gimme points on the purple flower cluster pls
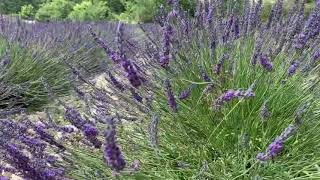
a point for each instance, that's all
(186, 93)
(231, 94)
(265, 63)
(265, 113)
(276, 147)
(18, 142)
(171, 99)
(91, 134)
(166, 39)
(218, 67)
(75, 118)
(293, 68)
(112, 152)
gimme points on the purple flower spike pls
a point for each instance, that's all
(204, 75)
(112, 152)
(265, 63)
(91, 134)
(171, 100)
(165, 57)
(300, 41)
(275, 148)
(131, 73)
(293, 68)
(186, 93)
(265, 113)
(229, 95)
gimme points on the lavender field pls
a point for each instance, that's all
(220, 91)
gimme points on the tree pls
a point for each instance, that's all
(14, 6)
(56, 9)
(89, 10)
(27, 11)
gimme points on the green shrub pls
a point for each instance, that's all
(27, 11)
(116, 6)
(88, 10)
(25, 71)
(56, 9)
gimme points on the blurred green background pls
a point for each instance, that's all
(89, 10)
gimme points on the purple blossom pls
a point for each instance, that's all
(232, 94)
(186, 93)
(131, 73)
(204, 75)
(229, 95)
(171, 100)
(74, 117)
(265, 63)
(210, 15)
(293, 68)
(47, 137)
(218, 67)
(265, 113)
(91, 134)
(112, 152)
(166, 38)
(300, 41)
(21, 161)
(276, 146)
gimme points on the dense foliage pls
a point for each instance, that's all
(212, 94)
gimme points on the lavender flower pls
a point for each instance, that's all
(112, 152)
(165, 56)
(74, 117)
(21, 161)
(186, 93)
(218, 67)
(232, 94)
(204, 75)
(131, 73)
(265, 63)
(276, 146)
(293, 68)
(265, 113)
(171, 100)
(91, 134)
(47, 137)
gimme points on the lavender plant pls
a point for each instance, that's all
(254, 69)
